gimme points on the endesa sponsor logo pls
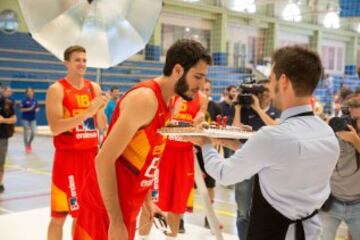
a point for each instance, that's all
(74, 205)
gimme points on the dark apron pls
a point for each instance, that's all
(266, 223)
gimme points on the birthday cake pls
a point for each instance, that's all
(208, 130)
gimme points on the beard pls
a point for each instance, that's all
(182, 87)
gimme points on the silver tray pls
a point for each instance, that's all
(212, 134)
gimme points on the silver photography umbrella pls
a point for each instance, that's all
(110, 30)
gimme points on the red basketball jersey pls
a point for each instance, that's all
(186, 114)
(85, 135)
(137, 164)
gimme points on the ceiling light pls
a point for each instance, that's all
(292, 13)
(247, 6)
(332, 20)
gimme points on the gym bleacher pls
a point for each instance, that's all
(24, 63)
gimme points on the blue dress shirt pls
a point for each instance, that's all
(294, 160)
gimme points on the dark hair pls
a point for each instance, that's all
(187, 53)
(302, 66)
(228, 88)
(345, 92)
(353, 103)
(113, 89)
(71, 49)
(27, 89)
(263, 81)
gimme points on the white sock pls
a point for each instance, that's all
(143, 237)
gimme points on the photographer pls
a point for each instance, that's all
(344, 202)
(259, 113)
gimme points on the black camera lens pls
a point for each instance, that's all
(338, 124)
(245, 99)
(341, 123)
(248, 89)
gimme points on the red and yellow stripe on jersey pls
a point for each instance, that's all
(135, 170)
(187, 113)
(85, 135)
(147, 145)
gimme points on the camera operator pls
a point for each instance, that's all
(344, 202)
(259, 113)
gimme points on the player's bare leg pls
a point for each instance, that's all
(55, 230)
(173, 221)
(145, 224)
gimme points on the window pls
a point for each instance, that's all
(244, 44)
(251, 50)
(290, 39)
(333, 58)
(171, 33)
(339, 59)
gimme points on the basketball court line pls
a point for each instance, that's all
(27, 169)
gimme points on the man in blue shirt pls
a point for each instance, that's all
(293, 161)
(110, 107)
(28, 107)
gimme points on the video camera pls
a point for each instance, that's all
(247, 89)
(340, 123)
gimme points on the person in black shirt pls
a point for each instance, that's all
(227, 105)
(7, 123)
(228, 110)
(259, 114)
(213, 108)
